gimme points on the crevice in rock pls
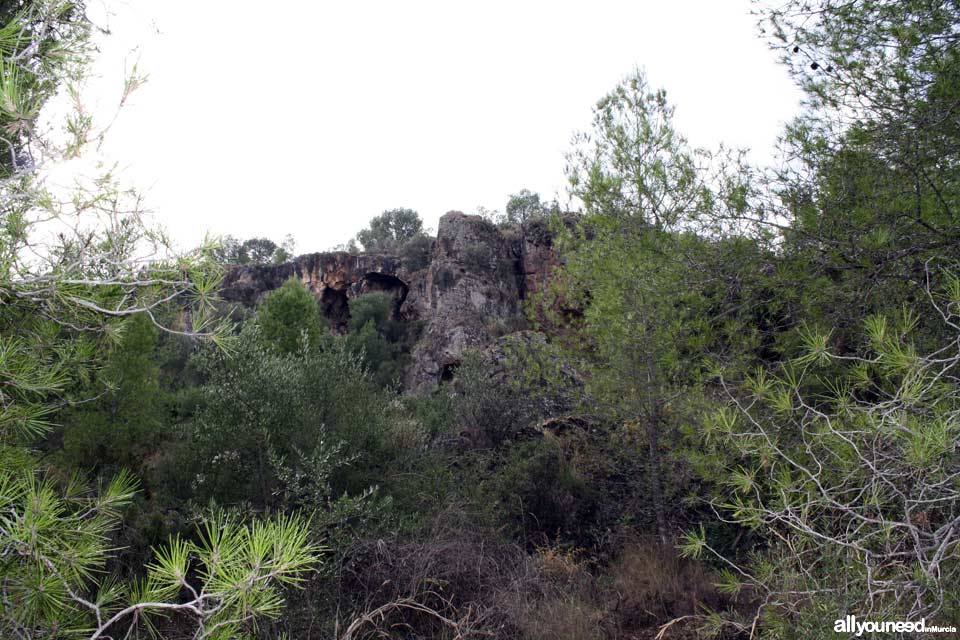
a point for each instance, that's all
(448, 371)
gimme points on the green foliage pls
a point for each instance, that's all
(858, 472)
(748, 356)
(416, 252)
(261, 405)
(634, 164)
(35, 366)
(479, 256)
(242, 570)
(382, 340)
(877, 59)
(540, 495)
(492, 409)
(526, 205)
(61, 543)
(872, 195)
(64, 308)
(375, 307)
(391, 231)
(124, 419)
(41, 44)
(289, 317)
(657, 302)
(91, 296)
(257, 251)
(499, 397)
(254, 251)
(831, 455)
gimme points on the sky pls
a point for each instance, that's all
(309, 118)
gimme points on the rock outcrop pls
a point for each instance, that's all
(538, 256)
(469, 290)
(333, 278)
(469, 294)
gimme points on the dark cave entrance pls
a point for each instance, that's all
(393, 285)
(448, 371)
(333, 303)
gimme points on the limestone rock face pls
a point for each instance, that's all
(470, 292)
(539, 257)
(471, 286)
(530, 349)
(333, 278)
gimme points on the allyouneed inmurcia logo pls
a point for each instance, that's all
(850, 624)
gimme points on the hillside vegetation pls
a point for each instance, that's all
(728, 408)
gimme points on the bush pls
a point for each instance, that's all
(375, 306)
(849, 463)
(562, 615)
(381, 340)
(478, 256)
(489, 410)
(119, 428)
(499, 327)
(452, 568)
(540, 495)
(261, 406)
(654, 585)
(289, 317)
(416, 252)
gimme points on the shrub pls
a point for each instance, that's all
(562, 615)
(478, 256)
(416, 252)
(119, 427)
(375, 306)
(490, 410)
(540, 495)
(451, 567)
(654, 585)
(849, 463)
(381, 340)
(260, 404)
(499, 327)
(289, 316)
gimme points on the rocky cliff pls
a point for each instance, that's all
(470, 292)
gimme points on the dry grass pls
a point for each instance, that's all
(456, 581)
(653, 585)
(563, 616)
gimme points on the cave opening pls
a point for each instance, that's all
(333, 303)
(448, 371)
(393, 285)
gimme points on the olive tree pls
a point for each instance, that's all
(391, 230)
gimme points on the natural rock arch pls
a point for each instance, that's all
(377, 281)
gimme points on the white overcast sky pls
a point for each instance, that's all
(309, 118)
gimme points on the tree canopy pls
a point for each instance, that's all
(391, 230)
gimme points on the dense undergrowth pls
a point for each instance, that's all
(740, 417)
